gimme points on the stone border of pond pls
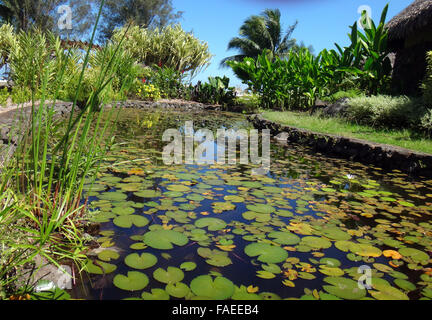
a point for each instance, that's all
(381, 155)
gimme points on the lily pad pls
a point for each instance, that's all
(128, 221)
(143, 261)
(266, 252)
(156, 294)
(286, 238)
(188, 266)
(315, 242)
(415, 254)
(344, 288)
(171, 275)
(177, 290)
(215, 257)
(134, 281)
(213, 224)
(219, 288)
(164, 239)
(261, 208)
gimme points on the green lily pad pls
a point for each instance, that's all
(164, 239)
(188, 266)
(213, 224)
(113, 196)
(148, 194)
(405, 285)
(265, 274)
(156, 294)
(344, 288)
(128, 221)
(286, 238)
(415, 254)
(219, 288)
(134, 281)
(215, 257)
(143, 261)
(99, 267)
(178, 188)
(261, 208)
(171, 275)
(266, 252)
(315, 242)
(387, 292)
(108, 255)
(177, 290)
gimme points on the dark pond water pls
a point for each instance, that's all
(312, 228)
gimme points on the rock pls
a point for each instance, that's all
(336, 109)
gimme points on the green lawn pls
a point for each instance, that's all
(402, 138)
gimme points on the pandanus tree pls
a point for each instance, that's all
(262, 32)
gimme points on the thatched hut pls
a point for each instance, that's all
(410, 37)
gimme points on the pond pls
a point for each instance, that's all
(312, 228)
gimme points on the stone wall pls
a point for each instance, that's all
(385, 156)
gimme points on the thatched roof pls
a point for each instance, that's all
(414, 18)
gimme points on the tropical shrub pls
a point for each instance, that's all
(147, 91)
(294, 82)
(384, 111)
(170, 47)
(215, 91)
(169, 81)
(426, 122)
(427, 84)
(351, 93)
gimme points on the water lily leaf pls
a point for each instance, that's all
(121, 211)
(365, 250)
(286, 238)
(330, 262)
(219, 288)
(234, 198)
(128, 221)
(331, 271)
(134, 281)
(188, 266)
(213, 224)
(215, 257)
(266, 252)
(178, 188)
(344, 288)
(143, 261)
(148, 194)
(108, 255)
(261, 208)
(415, 254)
(265, 274)
(164, 239)
(242, 293)
(156, 294)
(113, 196)
(219, 207)
(315, 242)
(387, 292)
(336, 234)
(405, 285)
(99, 267)
(177, 290)
(171, 275)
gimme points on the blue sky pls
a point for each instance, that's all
(321, 22)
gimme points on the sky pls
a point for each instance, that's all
(321, 23)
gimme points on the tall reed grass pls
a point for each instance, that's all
(42, 183)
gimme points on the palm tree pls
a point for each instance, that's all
(259, 33)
